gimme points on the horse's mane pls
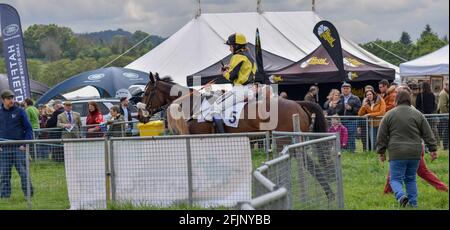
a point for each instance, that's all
(167, 79)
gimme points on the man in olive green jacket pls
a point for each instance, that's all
(400, 133)
(443, 100)
(443, 109)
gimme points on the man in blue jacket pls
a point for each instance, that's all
(14, 125)
(350, 105)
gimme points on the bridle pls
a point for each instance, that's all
(149, 103)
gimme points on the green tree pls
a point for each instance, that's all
(41, 39)
(119, 44)
(427, 43)
(2, 66)
(405, 38)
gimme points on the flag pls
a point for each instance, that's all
(329, 37)
(260, 73)
(14, 52)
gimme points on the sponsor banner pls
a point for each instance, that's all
(14, 52)
(329, 37)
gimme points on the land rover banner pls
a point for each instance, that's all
(329, 37)
(14, 52)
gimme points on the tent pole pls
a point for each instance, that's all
(259, 7)
(199, 10)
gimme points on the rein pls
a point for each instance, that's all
(164, 107)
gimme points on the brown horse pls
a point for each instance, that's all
(159, 96)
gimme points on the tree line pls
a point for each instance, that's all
(405, 48)
(55, 53)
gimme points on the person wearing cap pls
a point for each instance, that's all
(241, 73)
(14, 125)
(70, 122)
(350, 105)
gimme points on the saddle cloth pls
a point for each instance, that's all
(230, 115)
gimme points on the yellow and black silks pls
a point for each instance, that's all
(242, 69)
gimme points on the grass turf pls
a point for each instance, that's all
(364, 178)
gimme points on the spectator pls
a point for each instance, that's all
(373, 106)
(443, 100)
(425, 102)
(401, 132)
(94, 118)
(70, 122)
(311, 96)
(362, 129)
(443, 109)
(385, 92)
(125, 110)
(337, 127)
(423, 171)
(415, 91)
(333, 105)
(32, 113)
(350, 105)
(44, 115)
(52, 123)
(14, 125)
(116, 130)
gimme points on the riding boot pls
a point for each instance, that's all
(220, 127)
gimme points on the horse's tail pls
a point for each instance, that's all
(320, 123)
(179, 125)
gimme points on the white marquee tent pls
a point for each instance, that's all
(432, 64)
(199, 44)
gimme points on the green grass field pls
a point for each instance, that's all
(364, 178)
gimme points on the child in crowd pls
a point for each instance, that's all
(337, 127)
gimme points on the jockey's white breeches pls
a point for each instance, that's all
(236, 95)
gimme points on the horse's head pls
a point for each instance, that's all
(156, 97)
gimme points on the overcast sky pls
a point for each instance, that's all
(358, 20)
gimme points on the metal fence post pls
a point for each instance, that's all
(112, 171)
(189, 168)
(28, 174)
(107, 173)
(367, 133)
(338, 169)
(34, 147)
(267, 146)
(301, 161)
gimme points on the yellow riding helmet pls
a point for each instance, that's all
(236, 39)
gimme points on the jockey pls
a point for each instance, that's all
(240, 72)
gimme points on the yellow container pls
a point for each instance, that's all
(152, 128)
